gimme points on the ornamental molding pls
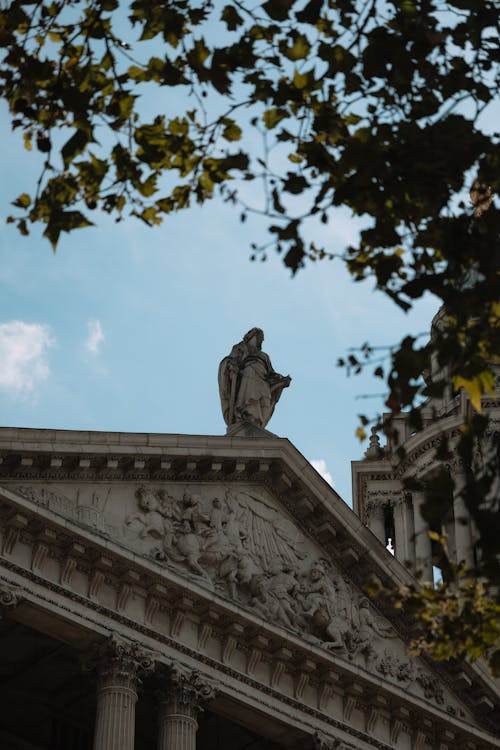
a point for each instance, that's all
(425, 444)
(10, 596)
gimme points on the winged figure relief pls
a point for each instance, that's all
(266, 534)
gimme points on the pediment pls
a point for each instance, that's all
(244, 527)
(238, 541)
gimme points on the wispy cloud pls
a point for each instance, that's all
(320, 465)
(95, 336)
(23, 348)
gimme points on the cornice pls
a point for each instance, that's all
(51, 455)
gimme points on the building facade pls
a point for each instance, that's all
(176, 592)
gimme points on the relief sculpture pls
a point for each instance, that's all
(240, 545)
(55, 501)
(236, 541)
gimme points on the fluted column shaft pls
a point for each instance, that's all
(376, 524)
(115, 717)
(423, 549)
(402, 531)
(463, 537)
(182, 696)
(177, 726)
(118, 664)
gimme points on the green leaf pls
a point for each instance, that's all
(311, 12)
(136, 73)
(178, 126)
(74, 146)
(23, 201)
(64, 221)
(299, 49)
(272, 117)
(476, 387)
(295, 183)
(231, 17)
(300, 80)
(232, 131)
(278, 10)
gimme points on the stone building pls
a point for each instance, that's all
(175, 592)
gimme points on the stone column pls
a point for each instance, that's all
(463, 537)
(375, 519)
(402, 530)
(182, 696)
(423, 550)
(119, 666)
(400, 542)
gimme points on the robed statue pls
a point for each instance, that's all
(249, 387)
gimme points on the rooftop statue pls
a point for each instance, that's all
(249, 387)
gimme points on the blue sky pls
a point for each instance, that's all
(123, 328)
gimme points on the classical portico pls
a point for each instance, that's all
(181, 592)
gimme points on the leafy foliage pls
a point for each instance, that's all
(377, 106)
(457, 620)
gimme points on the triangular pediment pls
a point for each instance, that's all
(246, 519)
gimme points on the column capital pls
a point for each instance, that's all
(10, 596)
(119, 661)
(184, 689)
(320, 741)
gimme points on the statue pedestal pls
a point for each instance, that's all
(248, 429)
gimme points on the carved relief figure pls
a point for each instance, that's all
(365, 627)
(248, 385)
(282, 587)
(320, 606)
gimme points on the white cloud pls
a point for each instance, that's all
(23, 361)
(95, 336)
(320, 465)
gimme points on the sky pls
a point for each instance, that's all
(123, 328)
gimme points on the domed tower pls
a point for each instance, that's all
(381, 481)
